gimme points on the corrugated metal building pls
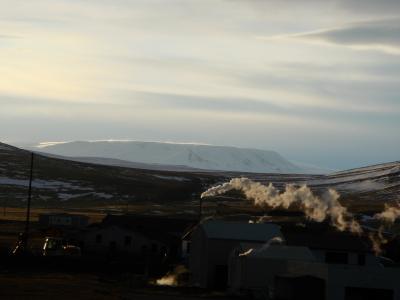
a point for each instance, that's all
(213, 241)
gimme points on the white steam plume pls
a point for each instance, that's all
(172, 278)
(315, 208)
(389, 215)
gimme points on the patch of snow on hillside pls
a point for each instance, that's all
(362, 186)
(42, 184)
(177, 178)
(355, 176)
(66, 196)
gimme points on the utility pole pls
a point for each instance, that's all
(28, 210)
(200, 209)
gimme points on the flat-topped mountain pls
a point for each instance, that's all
(198, 156)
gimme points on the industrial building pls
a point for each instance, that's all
(292, 272)
(211, 243)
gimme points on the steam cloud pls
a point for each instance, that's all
(172, 278)
(389, 215)
(315, 208)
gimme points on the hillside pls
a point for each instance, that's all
(206, 157)
(78, 183)
(61, 182)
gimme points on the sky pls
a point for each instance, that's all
(316, 81)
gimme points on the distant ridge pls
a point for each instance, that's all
(184, 156)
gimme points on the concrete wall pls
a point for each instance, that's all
(198, 265)
(338, 277)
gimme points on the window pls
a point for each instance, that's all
(99, 238)
(336, 258)
(128, 241)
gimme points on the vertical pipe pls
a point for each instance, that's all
(28, 210)
(200, 209)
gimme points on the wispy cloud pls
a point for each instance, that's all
(142, 69)
(381, 35)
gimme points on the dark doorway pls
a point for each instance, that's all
(221, 277)
(299, 288)
(112, 248)
(356, 293)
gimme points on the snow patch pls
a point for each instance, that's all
(362, 186)
(42, 184)
(177, 178)
(66, 196)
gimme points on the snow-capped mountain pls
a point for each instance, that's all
(199, 156)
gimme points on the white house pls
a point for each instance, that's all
(212, 242)
(112, 239)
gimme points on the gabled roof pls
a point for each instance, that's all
(284, 252)
(240, 231)
(156, 224)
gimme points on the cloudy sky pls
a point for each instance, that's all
(317, 81)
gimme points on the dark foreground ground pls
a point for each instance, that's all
(37, 285)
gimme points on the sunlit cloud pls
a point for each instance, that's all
(145, 70)
(379, 35)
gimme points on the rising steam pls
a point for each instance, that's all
(172, 278)
(389, 215)
(315, 208)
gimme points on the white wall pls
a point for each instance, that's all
(117, 235)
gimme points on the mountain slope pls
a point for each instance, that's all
(59, 181)
(85, 184)
(190, 155)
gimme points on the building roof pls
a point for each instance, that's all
(323, 236)
(284, 252)
(240, 231)
(150, 225)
